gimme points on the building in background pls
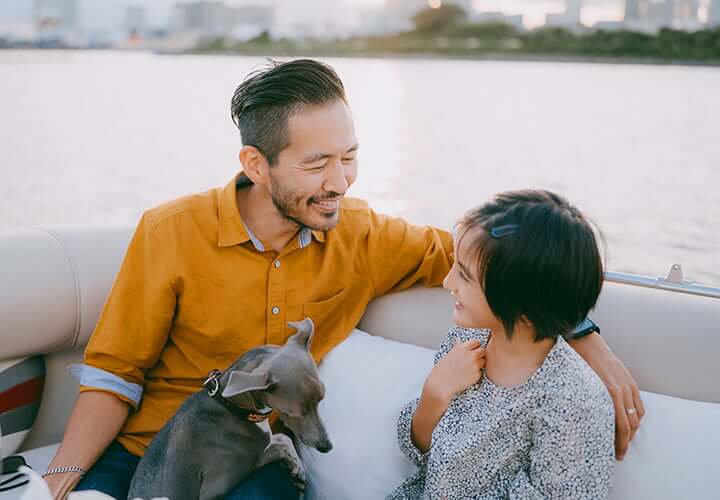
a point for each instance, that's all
(652, 15)
(570, 18)
(61, 13)
(659, 14)
(56, 22)
(201, 18)
(633, 11)
(685, 15)
(17, 27)
(215, 19)
(136, 23)
(249, 21)
(713, 19)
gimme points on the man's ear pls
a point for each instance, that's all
(241, 382)
(254, 164)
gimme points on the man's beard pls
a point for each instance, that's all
(290, 207)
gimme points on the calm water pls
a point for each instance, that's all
(95, 138)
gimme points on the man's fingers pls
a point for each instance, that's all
(622, 437)
(638, 402)
(622, 425)
(633, 418)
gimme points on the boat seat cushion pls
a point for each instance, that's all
(38, 459)
(21, 388)
(369, 379)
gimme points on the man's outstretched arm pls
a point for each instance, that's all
(401, 254)
(95, 421)
(620, 384)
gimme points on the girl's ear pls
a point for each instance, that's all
(525, 322)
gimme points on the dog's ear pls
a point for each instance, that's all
(305, 330)
(241, 382)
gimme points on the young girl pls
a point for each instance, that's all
(510, 410)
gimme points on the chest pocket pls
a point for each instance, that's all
(331, 317)
(216, 318)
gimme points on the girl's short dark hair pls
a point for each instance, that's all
(536, 256)
(265, 100)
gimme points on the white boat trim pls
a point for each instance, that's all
(673, 282)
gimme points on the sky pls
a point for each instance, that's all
(100, 14)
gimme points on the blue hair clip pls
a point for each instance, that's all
(500, 231)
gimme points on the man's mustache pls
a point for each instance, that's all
(329, 197)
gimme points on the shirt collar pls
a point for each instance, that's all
(233, 231)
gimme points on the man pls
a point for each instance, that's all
(209, 276)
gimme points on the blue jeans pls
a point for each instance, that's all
(113, 471)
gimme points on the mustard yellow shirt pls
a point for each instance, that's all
(196, 290)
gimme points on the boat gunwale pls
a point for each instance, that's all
(688, 287)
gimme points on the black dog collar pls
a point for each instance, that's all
(212, 386)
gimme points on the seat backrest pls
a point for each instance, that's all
(669, 341)
(55, 282)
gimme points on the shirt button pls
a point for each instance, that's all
(275, 310)
(277, 263)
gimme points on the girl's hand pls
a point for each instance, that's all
(461, 368)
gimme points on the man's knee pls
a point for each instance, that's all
(271, 482)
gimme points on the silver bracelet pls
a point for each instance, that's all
(62, 470)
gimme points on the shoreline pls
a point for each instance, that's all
(490, 56)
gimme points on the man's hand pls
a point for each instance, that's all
(94, 422)
(623, 389)
(60, 485)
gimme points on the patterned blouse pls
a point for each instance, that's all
(550, 437)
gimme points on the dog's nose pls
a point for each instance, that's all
(324, 447)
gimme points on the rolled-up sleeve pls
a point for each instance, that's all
(134, 324)
(95, 379)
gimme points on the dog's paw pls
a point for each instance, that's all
(290, 458)
(299, 476)
(298, 472)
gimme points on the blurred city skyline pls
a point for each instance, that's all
(105, 14)
(110, 22)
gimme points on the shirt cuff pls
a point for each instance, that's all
(89, 376)
(405, 435)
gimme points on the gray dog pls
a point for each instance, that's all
(220, 434)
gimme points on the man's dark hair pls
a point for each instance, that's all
(265, 100)
(536, 256)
